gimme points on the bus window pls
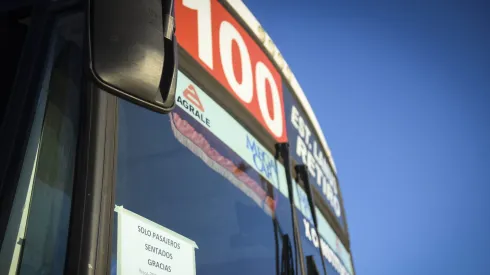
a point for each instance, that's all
(178, 172)
(36, 235)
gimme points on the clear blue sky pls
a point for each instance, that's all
(402, 92)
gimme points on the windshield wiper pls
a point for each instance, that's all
(282, 151)
(302, 172)
(285, 266)
(311, 266)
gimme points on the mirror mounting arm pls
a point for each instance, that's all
(168, 80)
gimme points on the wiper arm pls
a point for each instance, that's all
(302, 172)
(311, 266)
(282, 152)
(287, 267)
(168, 79)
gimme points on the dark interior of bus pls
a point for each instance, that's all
(13, 31)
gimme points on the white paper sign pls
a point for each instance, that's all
(147, 248)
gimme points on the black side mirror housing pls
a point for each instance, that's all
(133, 50)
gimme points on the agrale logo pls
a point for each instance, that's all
(191, 102)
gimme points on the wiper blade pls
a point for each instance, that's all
(287, 267)
(282, 152)
(311, 266)
(302, 171)
(286, 264)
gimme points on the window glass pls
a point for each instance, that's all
(197, 172)
(308, 235)
(336, 253)
(311, 241)
(36, 237)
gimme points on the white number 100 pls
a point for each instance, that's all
(244, 90)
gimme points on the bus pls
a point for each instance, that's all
(159, 137)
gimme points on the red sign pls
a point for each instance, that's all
(208, 32)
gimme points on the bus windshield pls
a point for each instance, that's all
(179, 172)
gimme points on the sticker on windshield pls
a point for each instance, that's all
(145, 247)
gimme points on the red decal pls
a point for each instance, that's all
(191, 94)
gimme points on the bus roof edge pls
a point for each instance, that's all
(256, 29)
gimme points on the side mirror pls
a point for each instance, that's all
(133, 50)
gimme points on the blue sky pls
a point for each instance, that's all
(402, 92)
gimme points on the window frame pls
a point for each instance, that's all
(90, 234)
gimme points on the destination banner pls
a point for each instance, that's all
(306, 149)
